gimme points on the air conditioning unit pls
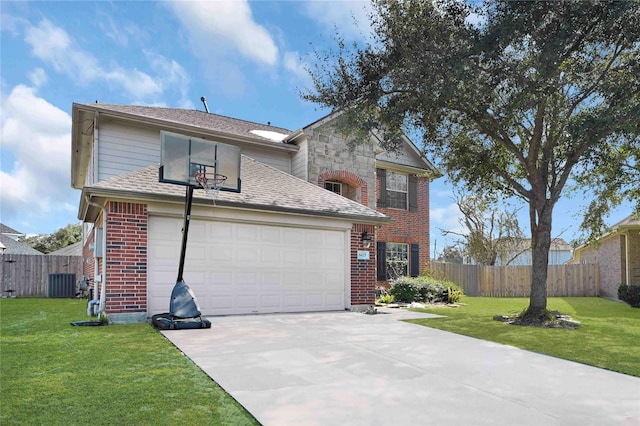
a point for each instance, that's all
(61, 285)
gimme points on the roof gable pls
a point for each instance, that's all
(4, 229)
(409, 156)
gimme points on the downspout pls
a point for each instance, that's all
(626, 258)
(103, 284)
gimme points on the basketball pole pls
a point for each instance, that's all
(185, 231)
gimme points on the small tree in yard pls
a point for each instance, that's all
(515, 98)
(490, 235)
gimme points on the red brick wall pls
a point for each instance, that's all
(126, 257)
(88, 266)
(409, 227)
(363, 272)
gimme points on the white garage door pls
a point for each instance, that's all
(239, 268)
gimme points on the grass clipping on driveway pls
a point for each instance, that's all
(54, 373)
(607, 338)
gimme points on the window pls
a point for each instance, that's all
(393, 260)
(397, 260)
(397, 191)
(333, 187)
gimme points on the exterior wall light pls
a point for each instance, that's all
(366, 239)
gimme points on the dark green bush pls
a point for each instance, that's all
(622, 291)
(404, 289)
(424, 289)
(630, 294)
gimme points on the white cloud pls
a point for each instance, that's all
(298, 68)
(349, 18)
(36, 157)
(446, 218)
(55, 47)
(171, 74)
(220, 24)
(38, 77)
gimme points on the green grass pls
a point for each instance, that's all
(54, 373)
(608, 336)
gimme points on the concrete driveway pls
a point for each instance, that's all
(346, 368)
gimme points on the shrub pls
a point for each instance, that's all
(453, 295)
(630, 294)
(404, 289)
(425, 289)
(622, 291)
(385, 299)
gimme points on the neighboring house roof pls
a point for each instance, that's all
(630, 222)
(16, 247)
(74, 249)
(5, 230)
(557, 244)
(263, 188)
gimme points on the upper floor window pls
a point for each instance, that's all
(333, 187)
(397, 190)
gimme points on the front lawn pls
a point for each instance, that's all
(54, 373)
(607, 338)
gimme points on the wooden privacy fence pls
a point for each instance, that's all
(27, 274)
(515, 281)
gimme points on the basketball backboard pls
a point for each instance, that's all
(181, 157)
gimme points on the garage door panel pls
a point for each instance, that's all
(240, 268)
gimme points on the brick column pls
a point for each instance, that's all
(126, 258)
(363, 272)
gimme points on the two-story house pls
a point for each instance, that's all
(316, 226)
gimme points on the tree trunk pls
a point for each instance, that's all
(540, 246)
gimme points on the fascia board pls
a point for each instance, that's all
(146, 197)
(381, 164)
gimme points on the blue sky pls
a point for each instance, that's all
(247, 58)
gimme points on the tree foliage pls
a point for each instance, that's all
(451, 254)
(514, 98)
(491, 236)
(47, 243)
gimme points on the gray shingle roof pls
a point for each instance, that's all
(74, 249)
(16, 247)
(263, 187)
(4, 229)
(200, 119)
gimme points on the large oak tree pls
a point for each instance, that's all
(515, 98)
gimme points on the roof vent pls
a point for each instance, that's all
(204, 102)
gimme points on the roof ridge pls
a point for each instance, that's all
(98, 105)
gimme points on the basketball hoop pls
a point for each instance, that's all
(211, 183)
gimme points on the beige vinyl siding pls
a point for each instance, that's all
(278, 160)
(299, 162)
(122, 149)
(405, 157)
